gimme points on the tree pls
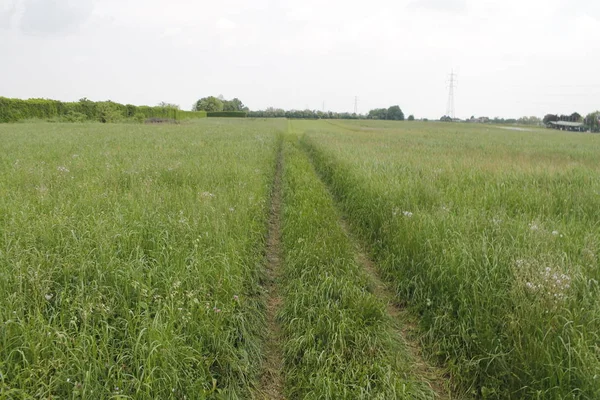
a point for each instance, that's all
(529, 120)
(395, 113)
(109, 112)
(549, 118)
(592, 121)
(210, 103)
(378, 113)
(575, 117)
(411, 117)
(234, 105)
(164, 104)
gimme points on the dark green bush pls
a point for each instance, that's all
(229, 114)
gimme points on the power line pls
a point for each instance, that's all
(450, 105)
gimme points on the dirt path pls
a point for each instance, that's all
(403, 324)
(271, 379)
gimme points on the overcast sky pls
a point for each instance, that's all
(512, 57)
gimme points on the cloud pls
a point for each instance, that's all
(452, 6)
(224, 24)
(50, 17)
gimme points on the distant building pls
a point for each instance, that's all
(567, 126)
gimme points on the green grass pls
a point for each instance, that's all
(131, 259)
(492, 238)
(338, 343)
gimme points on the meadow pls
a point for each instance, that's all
(489, 236)
(130, 259)
(138, 261)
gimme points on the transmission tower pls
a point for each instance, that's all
(356, 105)
(451, 85)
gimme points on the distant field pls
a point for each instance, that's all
(144, 262)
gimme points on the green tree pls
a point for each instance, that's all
(411, 117)
(395, 113)
(234, 105)
(164, 104)
(210, 103)
(378, 113)
(592, 121)
(576, 117)
(549, 118)
(109, 112)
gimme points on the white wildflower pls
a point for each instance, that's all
(63, 169)
(407, 214)
(48, 296)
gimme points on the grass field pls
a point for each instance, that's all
(491, 237)
(140, 261)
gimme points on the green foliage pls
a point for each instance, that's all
(592, 121)
(378, 113)
(234, 105)
(395, 113)
(139, 117)
(391, 113)
(301, 114)
(411, 117)
(229, 114)
(110, 112)
(74, 116)
(209, 104)
(13, 110)
(532, 120)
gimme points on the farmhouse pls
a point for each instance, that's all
(567, 126)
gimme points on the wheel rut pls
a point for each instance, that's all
(404, 326)
(271, 377)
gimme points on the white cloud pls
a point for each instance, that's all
(289, 54)
(47, 17)
(454, 6)
(225, 24)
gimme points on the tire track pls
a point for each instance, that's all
(271, 377)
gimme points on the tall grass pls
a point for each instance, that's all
(337, 335)
(131, 257)
(490, 236)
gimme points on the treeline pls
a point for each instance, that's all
(219, 104)
(302, 114)
(391, 113)
(532, 120)
(13, 110)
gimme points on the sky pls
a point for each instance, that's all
(512, 58)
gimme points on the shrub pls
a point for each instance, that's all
(13, 110)
(228, 114)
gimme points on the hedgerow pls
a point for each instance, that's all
(13, 110)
